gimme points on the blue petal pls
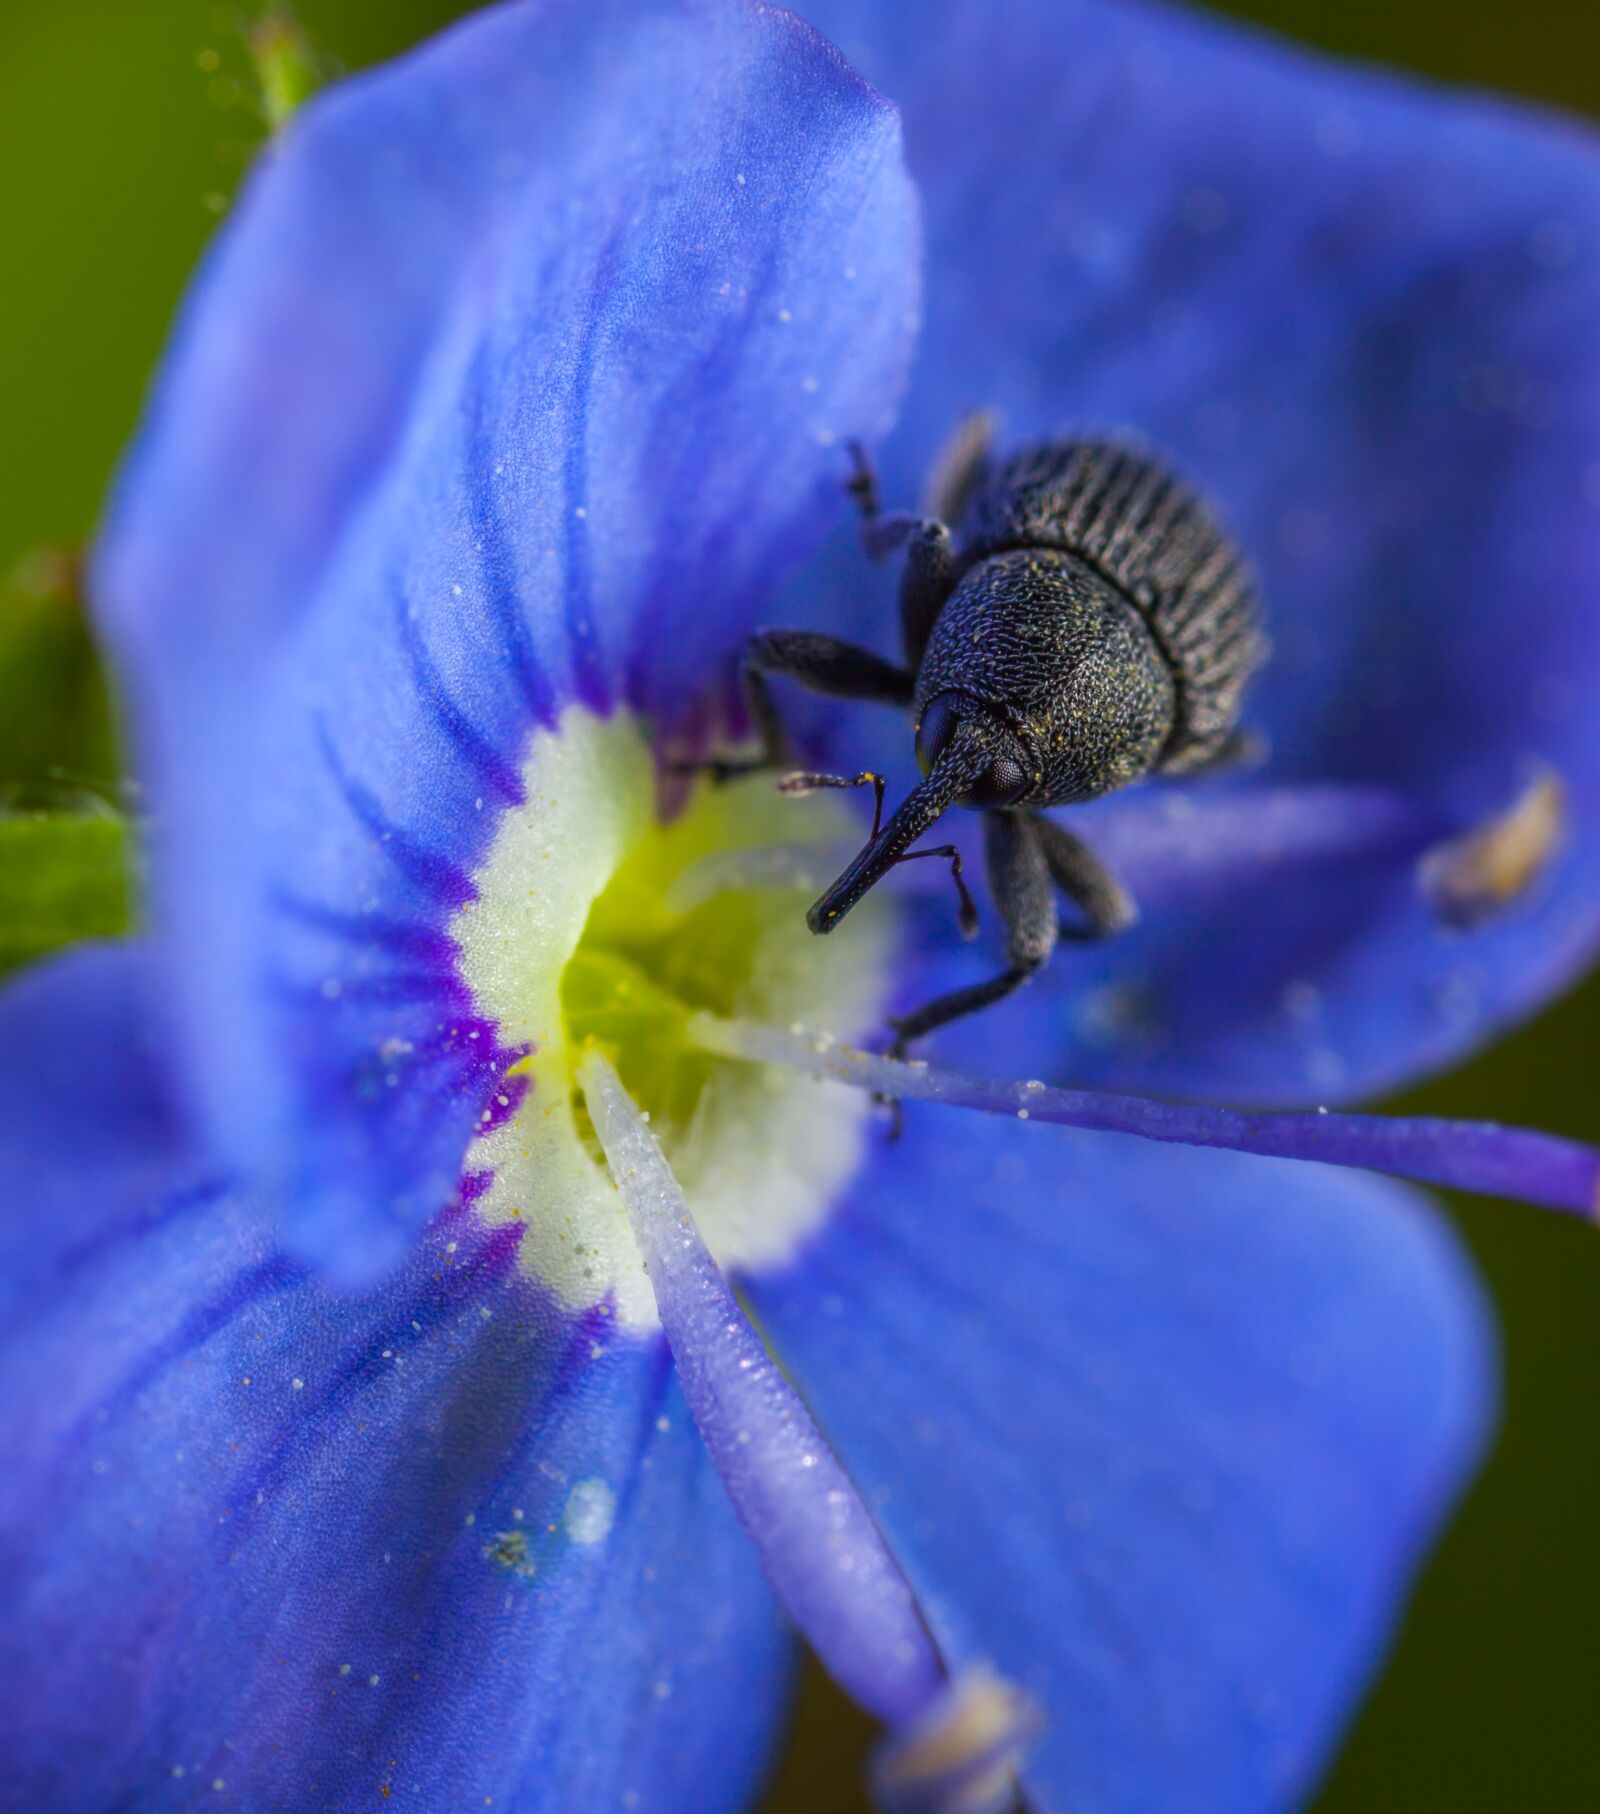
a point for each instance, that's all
(1366, 318)
(520, 372)
(1159, 1435)
(442, 1540)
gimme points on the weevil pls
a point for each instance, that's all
(1073, 618)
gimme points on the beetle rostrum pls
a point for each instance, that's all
(1072, 619)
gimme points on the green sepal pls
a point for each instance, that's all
(56, 733)
(63, 877)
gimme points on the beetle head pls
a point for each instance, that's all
(1005, 774)
(1036, 649)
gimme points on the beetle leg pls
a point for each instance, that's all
(770, 733)
(862, 484)
(803, 781)
(822, 664)
(1020, 880)
(880, 534)
(930, 570)
(1106, 905)
(967, 913)
(927, 581)
(908, 1028)
(962, 466)
(1239, 749)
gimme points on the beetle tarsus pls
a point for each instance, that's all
(909, 1028)
(862, 484)
(1020, 881)
(720, 770)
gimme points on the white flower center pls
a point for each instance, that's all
(596, 922)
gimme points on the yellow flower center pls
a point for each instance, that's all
(598, 922)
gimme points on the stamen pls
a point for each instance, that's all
(1472, 877)
(1480, 1156)
(821, 1551)
(963, 1755)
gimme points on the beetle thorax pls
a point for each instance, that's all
(1056, 652)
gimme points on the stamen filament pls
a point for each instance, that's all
(821, 1550)
(953, 1744)
(1480, 1156)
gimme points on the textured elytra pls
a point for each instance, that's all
(1151, 537)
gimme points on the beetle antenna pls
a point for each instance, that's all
(958, 768)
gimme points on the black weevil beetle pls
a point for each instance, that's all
(1091, 624)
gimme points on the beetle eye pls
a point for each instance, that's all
(1003, 783)
(936, 729)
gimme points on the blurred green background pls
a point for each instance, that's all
(124, 127)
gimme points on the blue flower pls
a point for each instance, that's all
(351, 1451)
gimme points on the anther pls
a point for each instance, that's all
(1471, 878)
(962, 1754)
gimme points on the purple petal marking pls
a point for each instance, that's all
(818, 1543)
(1481, 1156)
(435, 874)
(518, 376)
(498, 773)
